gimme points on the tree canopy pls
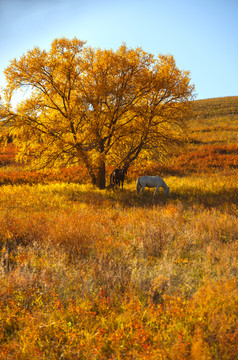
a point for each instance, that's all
(94, 106)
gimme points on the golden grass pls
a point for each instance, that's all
(89, 274)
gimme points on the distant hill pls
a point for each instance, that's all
(216, 106)
(215, 121)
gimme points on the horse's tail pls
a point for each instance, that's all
(138, 185)
(112, 178)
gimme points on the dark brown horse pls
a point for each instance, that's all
(117, 177)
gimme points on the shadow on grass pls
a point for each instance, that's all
(220, 198)
(110, 198)
(129, 198)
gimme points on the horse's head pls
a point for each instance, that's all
(167, 191)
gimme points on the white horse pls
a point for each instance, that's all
(151, 182)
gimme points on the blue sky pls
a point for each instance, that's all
(202, 35)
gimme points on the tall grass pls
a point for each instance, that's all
(97, 275)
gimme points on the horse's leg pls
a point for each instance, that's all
(156, 190)
(143, 189)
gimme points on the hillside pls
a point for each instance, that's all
(89, 274)
(213, 132)
(215, 121)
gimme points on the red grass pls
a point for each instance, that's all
(204, 159)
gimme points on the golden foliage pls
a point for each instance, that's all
(95, 106)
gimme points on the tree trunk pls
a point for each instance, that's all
(101, 176)
(92, 175)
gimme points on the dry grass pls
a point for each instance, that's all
(72, 255)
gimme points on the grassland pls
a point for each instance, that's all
(90, 274)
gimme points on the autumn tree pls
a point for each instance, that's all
(95, 106)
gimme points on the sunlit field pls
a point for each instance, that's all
(103, 274)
